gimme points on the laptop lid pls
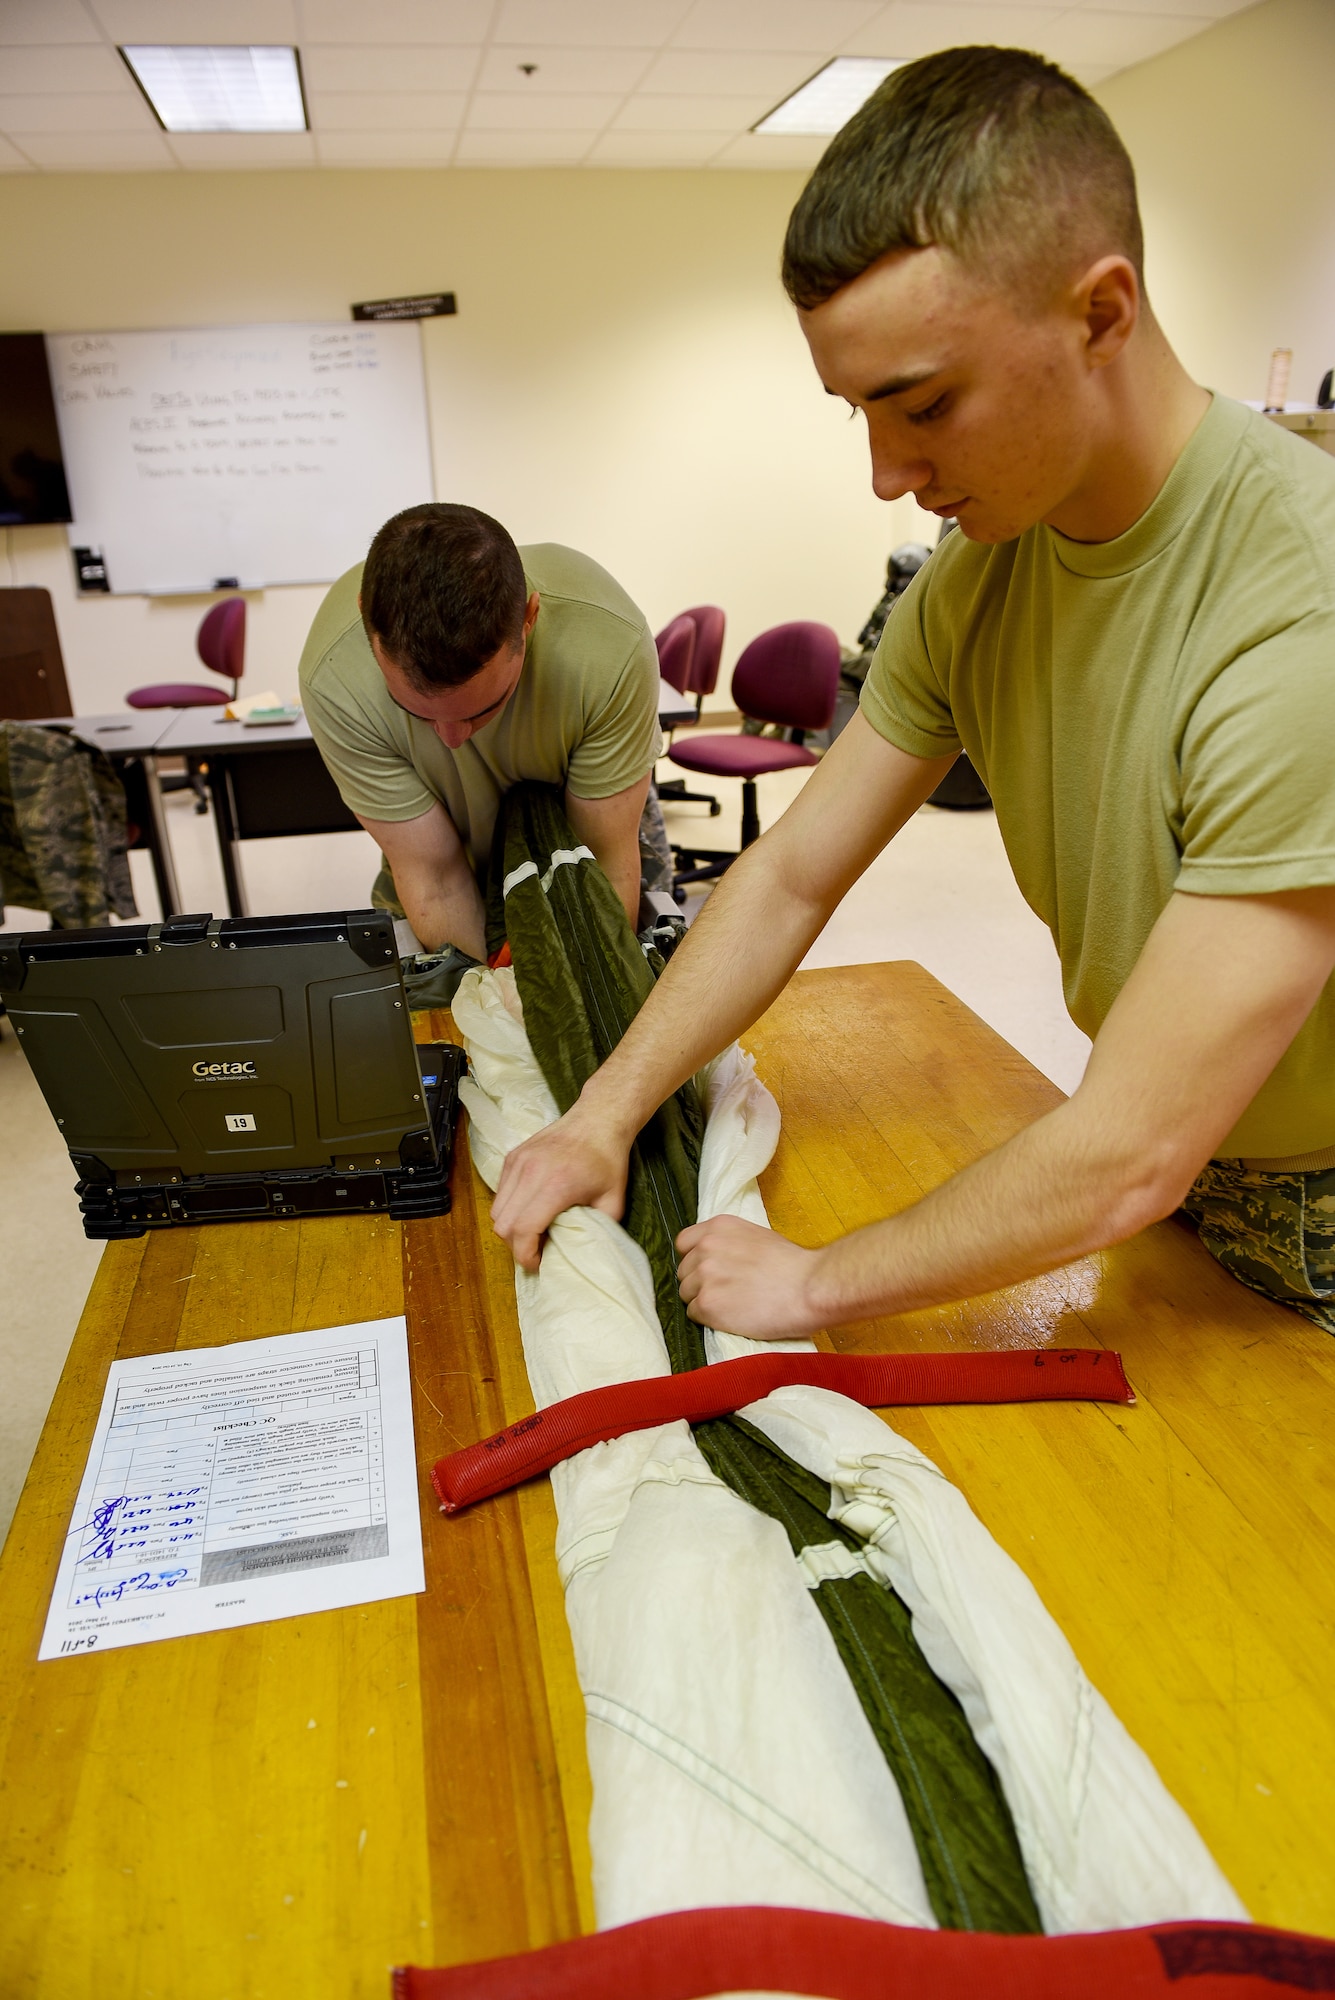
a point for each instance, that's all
(222, 1046)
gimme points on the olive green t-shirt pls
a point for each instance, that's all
(1152, 713)
(584, 713)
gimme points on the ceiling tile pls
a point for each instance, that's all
(87, 152)
(916, 28)
(1083, 36)
(384, 149)
(376, 111)
(400, 67)
(657, 149)
(779, 153)
(589, 24)
(237, 150)
(728, 115)
(726, 73)
(818, 27)
(498, 112)
(522, 149)
(41, 21)
(565, 70)
(74, 67)
(122, 111)
(219, 21)
(12, 161)
(441, 21)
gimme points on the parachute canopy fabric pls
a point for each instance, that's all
(731, 1759)
(582, 978)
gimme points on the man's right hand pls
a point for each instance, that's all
(575, 1163)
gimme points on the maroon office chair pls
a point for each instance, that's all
(677, 644)
(701, 677)
(710, 625)
(221, 645)
(676, 649)
(788, 676)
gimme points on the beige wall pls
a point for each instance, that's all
(624, 375)
(1234, 146)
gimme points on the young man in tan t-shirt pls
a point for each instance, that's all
(966, 262)
(450, 666)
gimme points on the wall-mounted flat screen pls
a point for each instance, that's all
(32, 470)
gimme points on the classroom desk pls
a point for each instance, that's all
(292, 1808)
(266, 782)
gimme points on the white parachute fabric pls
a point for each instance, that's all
(731, 1759)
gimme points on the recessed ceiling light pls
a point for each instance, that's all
(229, 89)
(827, 100)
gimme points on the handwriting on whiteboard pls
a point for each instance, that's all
(236, 433)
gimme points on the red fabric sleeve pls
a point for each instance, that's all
(880, 1381)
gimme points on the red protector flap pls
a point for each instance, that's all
(880, 1381)
(693, 1953)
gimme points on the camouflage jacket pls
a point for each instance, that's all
(901, 569)
(63, 835)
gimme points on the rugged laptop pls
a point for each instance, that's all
(211, 1070)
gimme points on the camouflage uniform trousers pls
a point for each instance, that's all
(656, 867)
(1273, 1230)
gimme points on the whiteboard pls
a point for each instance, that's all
(255, 454)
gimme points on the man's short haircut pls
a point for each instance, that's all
(443, 590)
(994, 154)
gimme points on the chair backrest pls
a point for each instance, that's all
(789, 675)
(221, 641)
(676, 649)
(32, 672)
(710, 625)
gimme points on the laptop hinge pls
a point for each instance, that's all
(181, 930)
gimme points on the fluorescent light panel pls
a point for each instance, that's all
(827, 101)
(228, 89)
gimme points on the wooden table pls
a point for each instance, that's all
(290, 1809)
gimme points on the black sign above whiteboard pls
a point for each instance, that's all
(426, 305)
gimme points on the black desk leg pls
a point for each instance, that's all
(159, 846)
(229, 844)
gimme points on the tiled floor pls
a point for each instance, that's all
(943, 894)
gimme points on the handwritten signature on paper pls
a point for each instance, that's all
(127, 1521)
(112, 1593)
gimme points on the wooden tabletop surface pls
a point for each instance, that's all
(290, 1809)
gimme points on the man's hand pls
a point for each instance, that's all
(579, 1162)
(740, 1278)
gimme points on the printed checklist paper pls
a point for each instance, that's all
(227, 1485)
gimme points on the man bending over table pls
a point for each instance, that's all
(449, 666)
(1132, 637)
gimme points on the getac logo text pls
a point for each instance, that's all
(216, 1072)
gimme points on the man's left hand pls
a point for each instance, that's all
(740, 1278)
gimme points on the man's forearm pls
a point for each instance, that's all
(738, 955)
(623, 872)
(1051, 1194)
(447, 910)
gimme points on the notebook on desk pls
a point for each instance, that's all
(218, 1070)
